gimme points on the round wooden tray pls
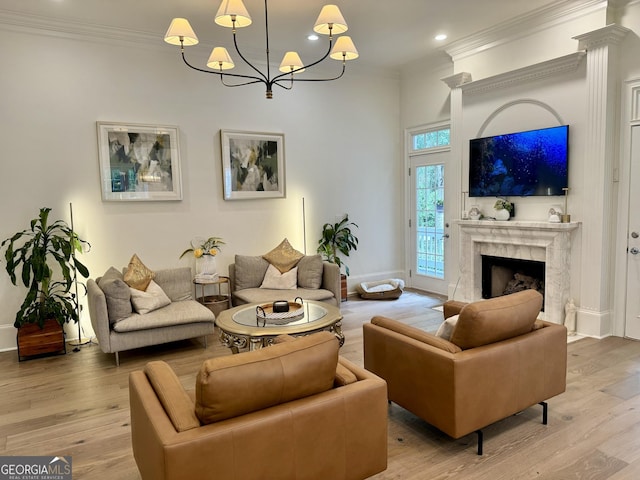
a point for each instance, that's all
(266, 314)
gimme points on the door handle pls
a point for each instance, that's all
(634, 251)
(446, 235)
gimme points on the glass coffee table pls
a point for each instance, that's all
(240, 326)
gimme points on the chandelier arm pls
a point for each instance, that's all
(213, 72)
(258, 80)
(263, 78)
(278, 77)
(275, 82)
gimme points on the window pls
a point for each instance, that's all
(431, 139)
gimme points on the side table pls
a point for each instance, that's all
(216, 303)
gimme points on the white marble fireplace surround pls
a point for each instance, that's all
(540, 241)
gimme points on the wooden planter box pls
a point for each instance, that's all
(34, 341)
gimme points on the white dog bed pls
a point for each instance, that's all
(381, 290)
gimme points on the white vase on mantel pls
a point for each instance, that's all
(502, 214)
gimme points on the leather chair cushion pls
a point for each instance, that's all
(234, 385)
(173, 397)
(344, 376)
(416, 334)
(496, 319)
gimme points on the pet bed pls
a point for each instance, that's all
(381, 289)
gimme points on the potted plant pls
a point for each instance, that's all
(32, 255)
(503, 209)
(338, 238)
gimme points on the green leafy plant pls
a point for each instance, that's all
(32, 255)
(337, 238)
(501, 203)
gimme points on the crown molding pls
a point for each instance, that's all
(56, 27)
(524, 25)
(556, 66)
(609, 35)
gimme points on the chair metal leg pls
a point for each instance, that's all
(545, 409)
(205, 342)
(480, 438)
(117, 359)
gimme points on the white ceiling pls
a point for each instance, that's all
(387, 33)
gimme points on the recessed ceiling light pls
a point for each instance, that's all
(440, 37)
(313, 37)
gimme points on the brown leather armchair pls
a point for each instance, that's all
(290, 411)
(499, 361)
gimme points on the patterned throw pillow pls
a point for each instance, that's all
(138, 276)
(284, 257)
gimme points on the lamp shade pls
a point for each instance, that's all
(220, 59)
(330, 15)
(180, 28)
(344, 49)
(290, 62)
(230, 9)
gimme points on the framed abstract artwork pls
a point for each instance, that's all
(139, 162)
(252, 165)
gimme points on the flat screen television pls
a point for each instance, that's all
(531, 163)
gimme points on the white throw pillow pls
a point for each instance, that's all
(151, 299)
(280, 281)
(446, 328)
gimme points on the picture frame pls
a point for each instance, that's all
(139, 162)
(253, 165)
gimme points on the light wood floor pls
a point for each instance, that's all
(77, 405)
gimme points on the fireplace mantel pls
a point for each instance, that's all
(520, 225)
(525, 240)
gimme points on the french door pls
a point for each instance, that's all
(632, 319)
(428, 227)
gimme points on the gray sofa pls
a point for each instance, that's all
(317, 280)
(118, 327)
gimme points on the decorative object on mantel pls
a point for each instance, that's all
(502, 209)
(570, 317)
(205, 251)
(555, 214)
(566, 218)
(233, 14)
(475, 213)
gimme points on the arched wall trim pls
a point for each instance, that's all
(506, 106)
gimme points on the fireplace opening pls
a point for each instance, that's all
(502, 276)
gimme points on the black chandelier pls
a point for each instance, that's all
(233, 14)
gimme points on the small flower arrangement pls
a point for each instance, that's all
(200, 247)
(503, 204)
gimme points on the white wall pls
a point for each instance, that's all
(342, 144)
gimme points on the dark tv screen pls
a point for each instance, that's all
(531, 163)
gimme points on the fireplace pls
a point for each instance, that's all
(502, 276)
(548, 244)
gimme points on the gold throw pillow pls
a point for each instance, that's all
(138, 276)
(284, 257)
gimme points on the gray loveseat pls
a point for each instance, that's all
(317, 280)
(118, 327)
